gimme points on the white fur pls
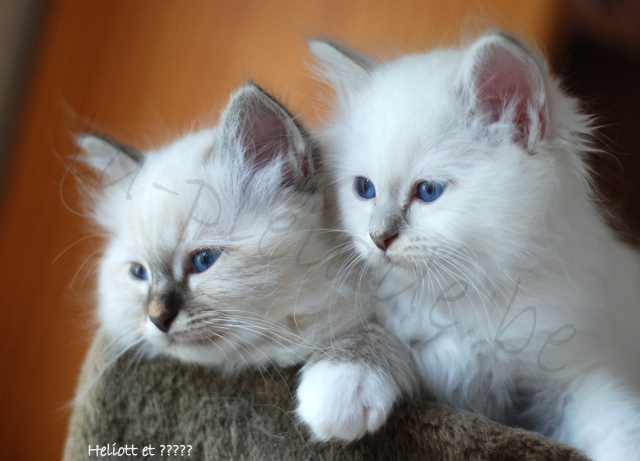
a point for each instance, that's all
(363, 405)
(276, 294)
(517, 300)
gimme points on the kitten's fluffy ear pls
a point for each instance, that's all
(345, 68)
(268, 133)
(505, 84)
(113, 161)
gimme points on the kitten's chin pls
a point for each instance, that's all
(168, 342)
(186, 349)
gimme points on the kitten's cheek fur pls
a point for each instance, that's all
(344, 400)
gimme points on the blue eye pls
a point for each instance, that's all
(429, 191)
(139, 272)
(365, 188)
(204, 259)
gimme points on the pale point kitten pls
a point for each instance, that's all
(461, 178)
(218, 252)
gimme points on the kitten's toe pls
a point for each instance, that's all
(344, 401)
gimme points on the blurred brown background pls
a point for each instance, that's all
(146, 70)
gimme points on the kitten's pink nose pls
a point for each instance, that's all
(384, 239)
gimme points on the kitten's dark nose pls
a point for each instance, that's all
(163, 321)
(384, 239)
(161, 316)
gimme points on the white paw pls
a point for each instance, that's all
(617, 445)
(343, 400)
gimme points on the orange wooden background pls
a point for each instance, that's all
(146, 70)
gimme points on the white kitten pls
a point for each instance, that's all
(218, 253)
(462, 179)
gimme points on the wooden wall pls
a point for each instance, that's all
(146, 70)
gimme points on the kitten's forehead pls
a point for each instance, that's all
(415, 91)
(173, 165)
(181, 195)
(403, 118)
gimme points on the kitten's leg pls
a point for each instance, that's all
(350, 388)
(601, 417)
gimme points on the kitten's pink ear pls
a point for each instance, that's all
(270, 136)
(505, 85)
(343, 67)
(110, 159)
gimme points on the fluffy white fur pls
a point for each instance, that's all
(277, 294)
(517, 300)
(362, 406)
